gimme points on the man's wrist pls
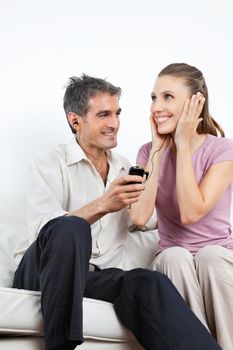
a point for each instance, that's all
(101, 207)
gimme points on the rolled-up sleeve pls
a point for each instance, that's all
(45, 193)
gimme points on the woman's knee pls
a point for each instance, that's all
(210, 255)
(172, 257)
(214, 266)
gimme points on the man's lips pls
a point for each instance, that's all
(108, 133)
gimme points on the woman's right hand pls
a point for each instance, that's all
(159, 142)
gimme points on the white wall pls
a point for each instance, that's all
(43, 43)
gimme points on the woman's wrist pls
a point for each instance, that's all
(182, 146)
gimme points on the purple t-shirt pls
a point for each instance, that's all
(215, 227)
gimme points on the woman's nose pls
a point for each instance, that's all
(157, 106)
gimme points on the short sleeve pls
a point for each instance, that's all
(221, 152)
(143, 154)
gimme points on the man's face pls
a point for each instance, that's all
(98, 129)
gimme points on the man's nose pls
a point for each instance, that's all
(113, 122)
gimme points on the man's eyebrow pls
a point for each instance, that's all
(107, 111)
(104, 111)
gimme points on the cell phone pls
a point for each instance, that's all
(138, 170)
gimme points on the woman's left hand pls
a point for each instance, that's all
(189, 119)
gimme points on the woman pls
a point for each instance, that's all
(190, 184)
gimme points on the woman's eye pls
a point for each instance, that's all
(168, 96)
(153, 97)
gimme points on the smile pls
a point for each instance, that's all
(162, 119)
(108, 133)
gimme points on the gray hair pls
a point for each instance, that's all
(80, 90)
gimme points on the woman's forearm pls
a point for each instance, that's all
(189, 197)
(141, 211)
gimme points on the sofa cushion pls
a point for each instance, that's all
(20, 314)
(37, 343)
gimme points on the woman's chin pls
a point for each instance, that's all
(164, 130)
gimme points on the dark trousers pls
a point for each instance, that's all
(146, 302)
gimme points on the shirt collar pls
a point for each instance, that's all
(75, 154)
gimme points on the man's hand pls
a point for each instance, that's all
(122, 194)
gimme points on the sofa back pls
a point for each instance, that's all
(13, 235)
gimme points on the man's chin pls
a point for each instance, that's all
(111, 145)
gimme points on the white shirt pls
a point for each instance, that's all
(64, 180)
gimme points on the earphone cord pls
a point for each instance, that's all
(152, 164)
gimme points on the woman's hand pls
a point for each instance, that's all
(189, 120)
(159, 142)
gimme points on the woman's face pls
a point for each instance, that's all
(168, 97)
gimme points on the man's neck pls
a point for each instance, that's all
(94, 154)
(98, 158)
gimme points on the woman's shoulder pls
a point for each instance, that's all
(217, 144)
(212, 140)
(217, 149)
(143, 153)
(146, 147)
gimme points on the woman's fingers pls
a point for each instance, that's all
(200, 106)
(195, 106)
(185, 109)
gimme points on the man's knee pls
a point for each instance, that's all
(144, 281)
(66, 230)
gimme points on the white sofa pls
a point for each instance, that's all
(21, 325)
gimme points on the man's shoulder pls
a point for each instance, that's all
(120, 159)
(55, 154)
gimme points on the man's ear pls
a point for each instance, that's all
(73, 119)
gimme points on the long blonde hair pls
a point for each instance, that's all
(195, 81)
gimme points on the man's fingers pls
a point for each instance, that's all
(127, 179)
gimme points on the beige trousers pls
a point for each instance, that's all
(205, 281)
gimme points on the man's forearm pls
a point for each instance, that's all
(91, 212)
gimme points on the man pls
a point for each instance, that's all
(78, 218)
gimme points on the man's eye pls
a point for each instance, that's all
(153, 97)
